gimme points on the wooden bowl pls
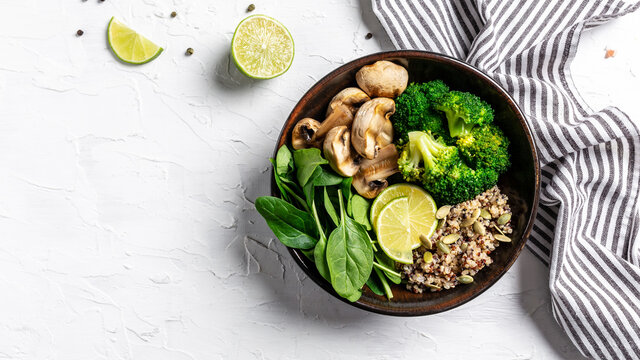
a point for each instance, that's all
(521, 183)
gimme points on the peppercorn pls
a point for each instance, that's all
(251, 8)
(174, 14)
(189, 52)
(79, 33)
(368, 36)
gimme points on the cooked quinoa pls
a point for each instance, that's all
(469, 254)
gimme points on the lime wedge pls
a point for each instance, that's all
(394, 232)
(422, 209)
(262, 47)
(129, 46)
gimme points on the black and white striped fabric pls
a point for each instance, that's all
(588, 225)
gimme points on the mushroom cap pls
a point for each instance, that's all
(337, 150)
(382, 78)
(372, 129)
(303, 135)
(371, 179)
(352, 97)
(341, 115)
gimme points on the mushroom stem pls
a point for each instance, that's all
(372, 129)
(337, 150)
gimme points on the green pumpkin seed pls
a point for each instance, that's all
(427, 257)
(485, 214)
(426, 242)
(471, 219)
(504, 218)
(450, 239)
(443, 247)
(502, 238)
(464, 246)
(441, 224)
(465, 279)
(497, 228)
(443, 212)
(434, 286)
(479, 228)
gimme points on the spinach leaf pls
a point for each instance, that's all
(309, 187)
(320, 251)
(328, 206)
(354, 296)
(349, 256)
(387, 262)
(327, 178)
(360, 210)
(385, 284)
(293, 227)
(373, 284)
(346, 190)
(284, 161)
(306, 162)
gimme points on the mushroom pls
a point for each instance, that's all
(382, 78)
(372, 129)
(304, 133)
(352, 97)
(371, 179)
(337, 150)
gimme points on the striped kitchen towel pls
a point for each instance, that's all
(588, 224)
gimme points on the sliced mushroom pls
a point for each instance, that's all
(371, 179)
(382, 78)
(304, 132)
(372, 129)
(352, 97)
(337, 150)
(341, 115)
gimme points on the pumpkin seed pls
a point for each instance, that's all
(471, 219)
(441, 224)
(443, 212)
(450, 239)
(465, 279)
(434, 286)
(428, 257)
(443, 247)
(497, 228)
(502, 238)
(479, 228)
(485, 214)
(426, 242)
(504, 218)
(464, 246)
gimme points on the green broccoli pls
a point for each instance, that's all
(441, 170)
(464, 111)
(485, 147)
(415, 111)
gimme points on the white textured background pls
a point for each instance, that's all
(127, 229)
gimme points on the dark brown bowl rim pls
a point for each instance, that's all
(404, 312)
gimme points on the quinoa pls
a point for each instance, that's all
(442, 272)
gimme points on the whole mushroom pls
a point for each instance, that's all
(371, 179)
(337, 150)
(372, 129)
(383, 79)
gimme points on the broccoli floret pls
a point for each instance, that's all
(485, 147)
(464, 111)
(415, 111)
(441, 170)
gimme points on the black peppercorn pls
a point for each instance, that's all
(368, 36)
(174, 14)
(79, 33)
(189, 52)
(251, 8)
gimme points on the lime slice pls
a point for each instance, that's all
(129, 46)
(393, 230)
(262, 47)
(422, 209)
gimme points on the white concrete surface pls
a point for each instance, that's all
(127, 229)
